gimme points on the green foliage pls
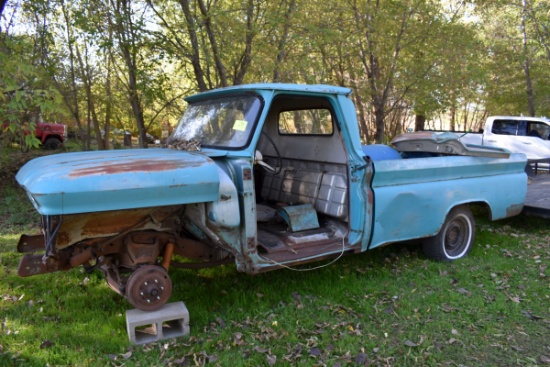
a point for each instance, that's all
(22, 97)
(135, 61)
(507, 56)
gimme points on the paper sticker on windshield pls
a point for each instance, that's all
(240, 125)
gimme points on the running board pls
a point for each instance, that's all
(29, 243)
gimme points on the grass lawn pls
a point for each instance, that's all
(387, 307)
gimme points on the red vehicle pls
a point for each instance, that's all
(52, 136)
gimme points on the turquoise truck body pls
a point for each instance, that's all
(264, 176)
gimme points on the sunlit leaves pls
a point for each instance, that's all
(517, 39)
(23, 91)
(401, 57)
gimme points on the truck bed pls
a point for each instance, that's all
(414, 195)
(447, 143)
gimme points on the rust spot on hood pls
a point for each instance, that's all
(141, 165)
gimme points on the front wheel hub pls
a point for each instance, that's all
(148, 288)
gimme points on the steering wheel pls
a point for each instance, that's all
(258, 158)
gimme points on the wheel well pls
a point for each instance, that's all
(52, 142)
(50, 136)
(481, 208)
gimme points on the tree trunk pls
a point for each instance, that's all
(453, 119)
(195, 55)
(379, 135)
(108, 104)
(129, 51)
(135, 100)
(526, 64)
(71, 98)
(419, 122)
(88, 80)
(213, 43)
(246, 58)
(283, 40)
(380, 81)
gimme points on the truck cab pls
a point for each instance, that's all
(51, 136)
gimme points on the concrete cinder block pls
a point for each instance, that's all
(170, 321)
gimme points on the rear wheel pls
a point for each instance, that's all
(52, 143)
(456, 237)
(148, 288)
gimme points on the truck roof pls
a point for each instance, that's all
(525, 118)
(305, 88)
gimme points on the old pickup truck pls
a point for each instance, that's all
(264, 176)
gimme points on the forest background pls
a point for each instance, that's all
(126, 65)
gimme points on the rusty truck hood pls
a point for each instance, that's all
(96, 181)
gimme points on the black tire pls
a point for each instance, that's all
(52, 143)
(456, 237)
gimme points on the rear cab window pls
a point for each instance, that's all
(311, 121)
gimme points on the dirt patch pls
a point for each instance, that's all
(15, 207)
(12, 160)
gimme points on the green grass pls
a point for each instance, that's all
(387, 307)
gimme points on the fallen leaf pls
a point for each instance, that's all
(409, 343)
(271, 359)
(260, 350)
(422, 337)
(530, 315)
(46, 344)
(181, 361)
(361, 359)
(237, 339)
(463, 291)
(295, 354)
(514, 299)
(315, 352)
(220, 322)
(545, 359)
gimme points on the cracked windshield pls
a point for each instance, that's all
(217, 123)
